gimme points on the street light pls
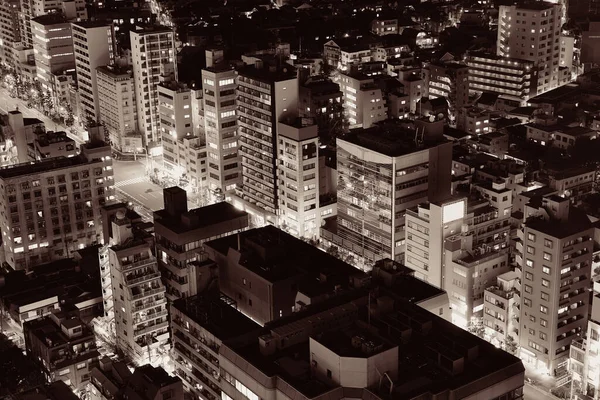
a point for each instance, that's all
(145, 151)
(138, 150)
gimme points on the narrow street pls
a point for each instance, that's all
(131, 180)
(533, 393)
(8, 103)
(132, 184)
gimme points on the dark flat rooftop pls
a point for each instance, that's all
(389, 139)
(50, 19)
(216, 316)
(276, 255)
(201, 217)
(44, 165)
(92, 24)
(115, 71)
(31, 121)
(535, 5)
(264, 74)
(556, 95)
(424, 337)
(340, 341)
(146, 28)
(578, 222)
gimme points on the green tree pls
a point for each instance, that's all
(70, 118)
(47, 103)
(476, 327)
(510, 345)
(334, 251)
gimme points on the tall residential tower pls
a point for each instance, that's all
(153, 55)
(266, 95)
(531, 31)
(94, 46)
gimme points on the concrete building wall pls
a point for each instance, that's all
(151, 49)
(53, 50)
(220, 124)
(94, 46)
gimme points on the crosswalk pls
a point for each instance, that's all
(138, 179)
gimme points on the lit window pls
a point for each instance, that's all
(545, 283)
(546, 270)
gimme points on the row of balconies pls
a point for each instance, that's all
(146, 293)
(150, 329)
(156, 302)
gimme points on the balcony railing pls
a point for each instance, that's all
(149, 305)
(143, 278)
(147, 293)
(127, 265)
(149, 329)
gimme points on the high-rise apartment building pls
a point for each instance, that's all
(41, 7)
(152, 54)
(53, 50)
(590, 44)
(25, 16)
(513, 79)
(175, 122)
(265, 95)
(428, 226)
(554, 255)
(117, 108)
(458, 244)
(74, 10)
(200, 324)
(220, 125)
(584, 357)
(321, 98)
(382, 172)
(94, 46)
(473, 256)
(531, 31)
(363, 100)
(10, 34)
(449, 80)
(30, 9)
(298, 177)
(108, 213)
(138, 293)
(52, 206)
(180, 235)
(500, 303)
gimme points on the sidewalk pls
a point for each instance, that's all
(118, 155)
(540, 381)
